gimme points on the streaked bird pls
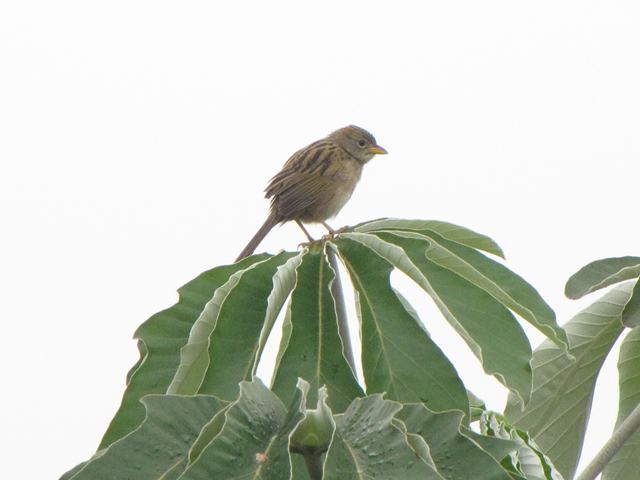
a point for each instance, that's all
(317, 181)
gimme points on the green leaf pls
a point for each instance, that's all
(224, 340)
(244, 323)
(417, 444)
(449, 231)
(70, 473)
(455, 456)
(631, 312)
(253, 442)
(313, 434)
(600, 274)
(208, 433)
(366, 445)
(314, 349)
(526, 458)
(504, 285)
(476, 406)
(532, 460)
(398, 357)
(287, 328)
(159, 447)
(159, 342)
(299, 469)
(484, 323)
(624, 465)
(556, 417)
(283, 283)
(499, 448)
(495, 279)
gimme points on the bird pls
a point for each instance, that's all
(316, 181)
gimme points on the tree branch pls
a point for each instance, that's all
(627, 428)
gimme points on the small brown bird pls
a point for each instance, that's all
(316, 182)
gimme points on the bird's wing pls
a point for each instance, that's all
(298, 192)
(314, 158)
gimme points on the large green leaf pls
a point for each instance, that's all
(624, 465)
(505, 286)
(500, 449)
(224, 340)
(253, 443)
(398, 357)
(244, 323)
(485, 324)
(600, 274)
(631, 312)
(452, 232)
(498, 281)
(557, 414)
(159, 342)
(283, 282)
(366, 445)
(313, 349)
(159, 447)
(456, 456)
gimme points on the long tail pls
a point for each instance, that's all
(269, 223)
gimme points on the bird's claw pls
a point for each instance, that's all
(334, 233)
(329, 236)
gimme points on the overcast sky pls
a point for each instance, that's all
(136, 139)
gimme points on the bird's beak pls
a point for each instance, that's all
(377, 150)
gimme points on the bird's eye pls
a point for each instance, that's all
(361, 143)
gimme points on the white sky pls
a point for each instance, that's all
(136, 139)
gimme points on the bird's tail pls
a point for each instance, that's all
(269, 223)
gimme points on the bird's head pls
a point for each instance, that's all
(358, 142)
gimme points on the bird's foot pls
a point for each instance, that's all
(334, 233)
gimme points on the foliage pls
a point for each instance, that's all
(563, 385)
(193, 407)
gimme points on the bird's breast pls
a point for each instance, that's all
(343, 181)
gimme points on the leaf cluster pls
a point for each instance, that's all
(194, 408)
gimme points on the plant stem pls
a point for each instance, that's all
(341, 311)
(314, 464)
(627, 428)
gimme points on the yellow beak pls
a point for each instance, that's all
(377, 150)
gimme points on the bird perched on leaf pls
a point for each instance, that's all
(316, 182)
